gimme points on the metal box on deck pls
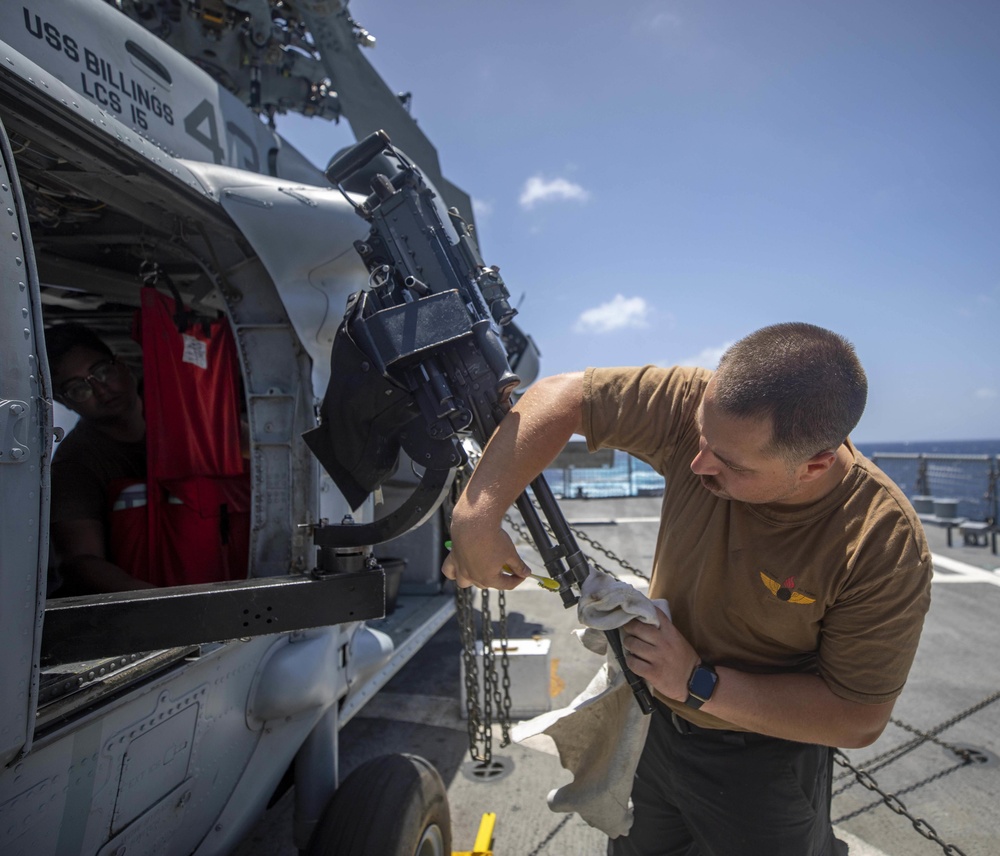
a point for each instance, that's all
(530, 671)
(923, 504)
(946, 509)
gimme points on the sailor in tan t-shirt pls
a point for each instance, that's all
(797, 575)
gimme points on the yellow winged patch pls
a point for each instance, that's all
(785, 591)
(773, 585)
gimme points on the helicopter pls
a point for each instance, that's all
(141, 168)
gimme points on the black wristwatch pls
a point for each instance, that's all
(701, 685)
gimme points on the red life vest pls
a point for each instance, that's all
(128, 536)
(197, 502)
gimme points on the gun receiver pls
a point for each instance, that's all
(427, 366)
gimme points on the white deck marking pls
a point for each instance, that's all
(962, 572)
(857, 846)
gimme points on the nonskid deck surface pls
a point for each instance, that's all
(939, 756)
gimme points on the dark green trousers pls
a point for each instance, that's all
(728, 793)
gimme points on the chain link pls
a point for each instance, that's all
(893, 801)
(896, 804)
(503, 701)
(489, 669)
(494, 691)
(897, 752)
(624, 564)
(555, 831)
(467, 634)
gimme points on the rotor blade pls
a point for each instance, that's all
(368, 103)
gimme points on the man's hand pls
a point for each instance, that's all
(661, 655)
(790, 706)
(484, 560)
(525, 443)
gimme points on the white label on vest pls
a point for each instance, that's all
(195, 352)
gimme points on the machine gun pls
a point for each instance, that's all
(419, 364)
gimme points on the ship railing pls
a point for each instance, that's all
(625, 477)
(951, 490)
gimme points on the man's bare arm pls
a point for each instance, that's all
(527, 441)
(80, 545)
(794, 707)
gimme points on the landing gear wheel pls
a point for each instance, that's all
(395, 805)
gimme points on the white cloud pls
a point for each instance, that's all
(708, 358)
(538, 189)
(986, 393)
(616, 314)
(481, 208)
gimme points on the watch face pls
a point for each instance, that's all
(702, 683)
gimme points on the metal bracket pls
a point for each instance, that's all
(12, 414)
(86, 628)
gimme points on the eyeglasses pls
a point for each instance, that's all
(79, 389)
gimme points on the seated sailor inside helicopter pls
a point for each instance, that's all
(104, 453)
(110, 530)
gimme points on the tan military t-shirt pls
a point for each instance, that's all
(839, 588)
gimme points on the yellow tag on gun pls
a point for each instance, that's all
(545, 582)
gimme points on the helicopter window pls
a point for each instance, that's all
(100, 531)
(149, 488)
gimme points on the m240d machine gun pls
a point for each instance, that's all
(419, 365)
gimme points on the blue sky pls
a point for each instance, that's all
(657, 179)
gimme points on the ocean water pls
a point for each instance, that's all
(971, 483)
(934, 447)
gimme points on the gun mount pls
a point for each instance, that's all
(429, 369)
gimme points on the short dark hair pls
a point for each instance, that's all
(62, 338)
(808, 380)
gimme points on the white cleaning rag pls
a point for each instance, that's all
(600, 735)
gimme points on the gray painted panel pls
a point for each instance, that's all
(23, 466)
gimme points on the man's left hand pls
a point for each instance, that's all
(661, 655)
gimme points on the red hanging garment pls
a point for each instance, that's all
(128, 535)
(198, 492)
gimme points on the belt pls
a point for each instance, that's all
(682, 726)
(689, 729)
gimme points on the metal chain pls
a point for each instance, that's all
(623, 563)
(864, 777)
(525, 536)
(467, 633)
(897, 805)
(489, 668)
(503, 702)
(992, 697)
(893, 798)
(556, 830)
(897, 752)
(480, 719)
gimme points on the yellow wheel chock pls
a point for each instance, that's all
(484, 838)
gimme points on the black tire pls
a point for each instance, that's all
(394, 805)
